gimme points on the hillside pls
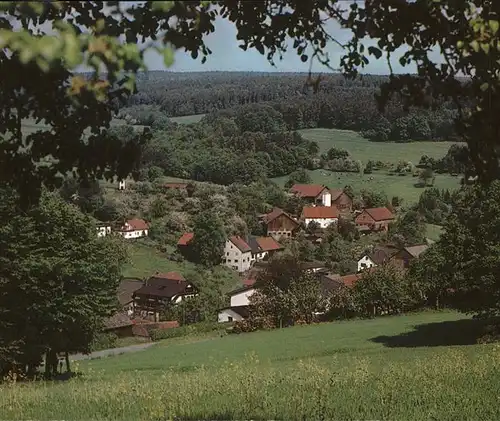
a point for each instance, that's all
(419, 366)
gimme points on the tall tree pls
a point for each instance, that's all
(58, 280)
(208, 239)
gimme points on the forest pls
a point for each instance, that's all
(334, 102)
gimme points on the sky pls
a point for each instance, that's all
(227, 56)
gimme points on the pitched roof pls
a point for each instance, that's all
(241, 289)
(336, 194)
(381, 253)
(320, 212)
(185, 239)
(307, 190)
(351, 279)
(116, 321)
(275, 213)
(165, 286)
(126, 290)
(243, 311)
(240, 244)
(416, 251)
(135, 224)
(380, 214)
(260, 244)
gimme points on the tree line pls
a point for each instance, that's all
(337, 104)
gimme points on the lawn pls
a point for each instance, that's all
(434, 231)
(413, 367)
(392, 185)
(146, 260)
(188, 119)
(364, 150)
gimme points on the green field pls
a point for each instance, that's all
(392, 185)
(364, 150)
(188, 119)
(434, 231)
(413, 367)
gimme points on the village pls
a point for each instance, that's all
(143, 302)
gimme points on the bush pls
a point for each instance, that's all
(104, 340)
(187, 330)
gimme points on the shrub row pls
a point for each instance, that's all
(187, 330)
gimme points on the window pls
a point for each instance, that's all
(235, 260)
(229, 319)
(231, 245)
(227, 254)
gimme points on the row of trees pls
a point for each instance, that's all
(336, 105)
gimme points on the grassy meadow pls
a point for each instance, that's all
(364, 150)
(413, 367)
(380, 180)
(392, 185)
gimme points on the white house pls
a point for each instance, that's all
(237, 254)
(238, 310)
(262, 247)
(134, 228)
(103, 230)
(322, 215)
(317, 194)
(365, 263)
(121, 185)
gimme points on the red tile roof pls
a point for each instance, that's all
(350, 280)
(240, 243)
(320, 212)
(380, 214)
(307, 190)
(185, 239)
(336, 194)
(135, 224)
(171, 276)
(268, 244)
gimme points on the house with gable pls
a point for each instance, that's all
(280, 224)
(322, 215)
(239, 305)
(237, 254)
(134, 228)
(403, 258)
(315, 194)
(103, 229)
(160, 291)
(378, 256)
(341, 200)
(374, 219)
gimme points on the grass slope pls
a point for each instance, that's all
(364, 150)
(412, 367)
(434, 231)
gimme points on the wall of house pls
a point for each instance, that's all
(241, 299)
(323, 222)
(235, 259)
(103, 231)
(179, 298)
(134, 234)
(343, 202)
(326, 199)
(364, 263)
(402, 259)
(229, 315)
(281, 227)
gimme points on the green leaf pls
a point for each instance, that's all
(168, 56)
(475, 45)
(484, 86)
(494, 25)
(485, 47)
